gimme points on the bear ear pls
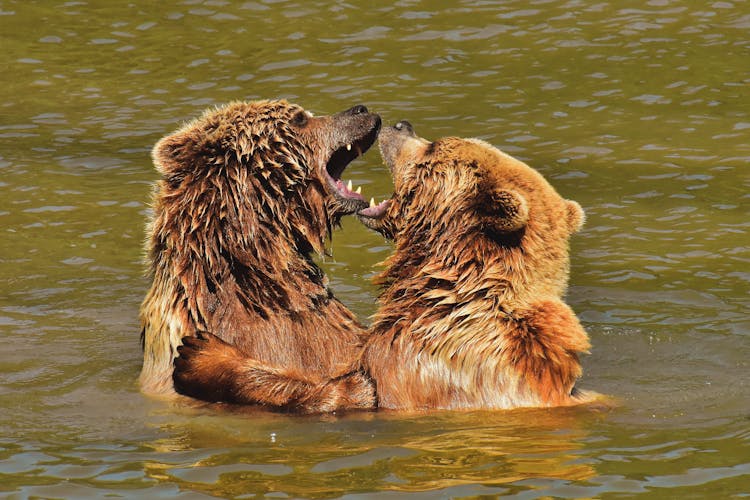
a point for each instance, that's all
(575, 216)
(503, 210)
(167, 154)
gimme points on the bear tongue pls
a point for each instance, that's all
(346, 191)
(375, 211)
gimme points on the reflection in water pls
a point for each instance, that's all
(376, 451)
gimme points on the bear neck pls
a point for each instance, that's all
(217, 246)
(452, 253)
(469, 265)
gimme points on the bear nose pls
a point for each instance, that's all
(404, 126)
(357, 110)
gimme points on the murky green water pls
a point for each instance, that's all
(638, 110)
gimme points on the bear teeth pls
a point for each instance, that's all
(348, 147)
(347, 189)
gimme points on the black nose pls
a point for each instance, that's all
(357, 110)
(404, 126)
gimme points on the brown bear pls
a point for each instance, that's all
(471, 312)
(248, 192)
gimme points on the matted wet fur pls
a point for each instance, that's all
(248, 191)
(471, 312)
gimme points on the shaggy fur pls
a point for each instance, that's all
(471, 313)
(248, 192)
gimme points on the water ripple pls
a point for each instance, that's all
(639, 112)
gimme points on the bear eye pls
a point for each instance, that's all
(299, 119)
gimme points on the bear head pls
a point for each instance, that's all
(264, 164)
(465, 203)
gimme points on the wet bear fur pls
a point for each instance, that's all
(471, 313)
(248, 192)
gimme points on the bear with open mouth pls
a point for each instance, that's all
(248, 192)
(470, 315)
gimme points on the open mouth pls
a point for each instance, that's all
(349, 198)
(375, 211)
(376, 218)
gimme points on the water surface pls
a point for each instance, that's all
(638, 110)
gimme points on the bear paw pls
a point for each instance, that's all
(202, 367)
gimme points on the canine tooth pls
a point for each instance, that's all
(349, 185)
(348, 147)
(359, 190)
(372, 202)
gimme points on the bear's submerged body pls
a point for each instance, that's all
(458, 349)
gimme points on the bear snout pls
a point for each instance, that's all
(405, 127)
(399, 144)
(359, 109)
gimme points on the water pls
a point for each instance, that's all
(638, 110)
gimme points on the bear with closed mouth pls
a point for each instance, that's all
(471, 313)
(248, 192)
